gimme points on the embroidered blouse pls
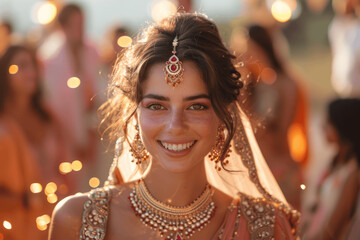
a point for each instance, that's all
(247, 218)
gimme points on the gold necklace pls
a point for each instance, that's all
(174, 222)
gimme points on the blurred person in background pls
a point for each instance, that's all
(333, 215)
(5, 36)
(31, 145)
(273, 97)
(70, 75)
(112, 46)
(344, 36)
(354, 229)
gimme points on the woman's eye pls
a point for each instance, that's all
(155, 107)
(198, 107)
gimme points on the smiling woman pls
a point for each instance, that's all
(176, 123)
(173, 112)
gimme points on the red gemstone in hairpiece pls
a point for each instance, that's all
(174, 69)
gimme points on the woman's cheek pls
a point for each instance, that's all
(207, 118)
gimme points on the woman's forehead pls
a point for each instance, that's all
(192, 84)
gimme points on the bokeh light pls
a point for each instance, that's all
(76, 165)
(50, 188)
(281, 11)
(42, 222)
(52, 198)
(297, 142)
(44, 12)
(13, 69)
(44, 218)
(35, 187)
(268, 75)
(94, 182)
(162, 9)
(73, 82)
(65, 167)
(124, 41)
(7, 225)
(303, 186)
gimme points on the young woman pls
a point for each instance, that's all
(31, 146)
(274, 101)
(334, 215)
(173, 108)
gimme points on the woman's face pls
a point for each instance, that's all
(74, 28)
(178, 125)
(24, 81)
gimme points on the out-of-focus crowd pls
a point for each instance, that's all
(50, 141)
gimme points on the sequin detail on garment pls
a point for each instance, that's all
(260, 216)
(95, 215)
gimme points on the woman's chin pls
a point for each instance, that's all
(179, 166)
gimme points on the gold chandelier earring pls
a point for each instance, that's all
(218, 149)
(137, 149)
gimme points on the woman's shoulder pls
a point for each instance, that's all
(85, 214)
(73, 215)
(66, 217)
(12, 137)
(267, 218)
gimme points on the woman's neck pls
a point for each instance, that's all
(343, 154)
(177, 189)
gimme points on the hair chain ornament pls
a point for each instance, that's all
(176, 223)
(174, 69)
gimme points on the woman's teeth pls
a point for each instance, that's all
(177, 147)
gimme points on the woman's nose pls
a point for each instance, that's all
(176, 120)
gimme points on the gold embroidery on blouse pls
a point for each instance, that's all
(260, 216)
(95, 215)
(232, 207)
(236, 227)
(221, 234)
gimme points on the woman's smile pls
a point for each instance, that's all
(177, 147)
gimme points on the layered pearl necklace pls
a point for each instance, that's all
(172, 222)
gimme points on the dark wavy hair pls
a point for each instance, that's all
(198, 41)
(5, 90)
(344, 115)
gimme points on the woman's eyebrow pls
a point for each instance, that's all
(189, 98)
(197, 97)
(158, 97)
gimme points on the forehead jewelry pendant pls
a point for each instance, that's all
(174, 69)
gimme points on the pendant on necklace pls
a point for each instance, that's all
(177, 236)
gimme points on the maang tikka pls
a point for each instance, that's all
(174, 69)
